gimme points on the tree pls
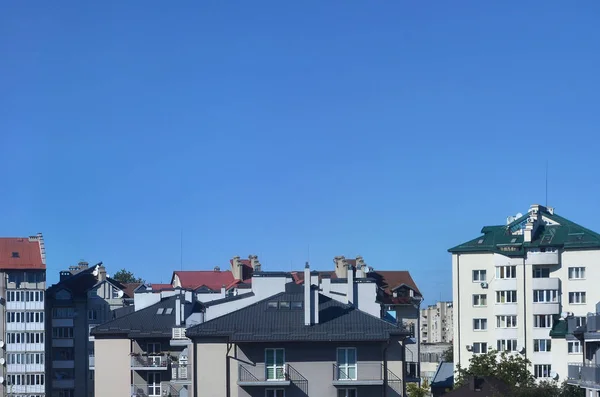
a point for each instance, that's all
(414, 390)
(448, 355)
(512, 369)
(124, 276)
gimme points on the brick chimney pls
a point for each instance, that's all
(101, 273)
(237, 268)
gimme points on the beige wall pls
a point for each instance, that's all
(113, 370)
(210, 369)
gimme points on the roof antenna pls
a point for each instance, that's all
(546, 183)
(181, 249)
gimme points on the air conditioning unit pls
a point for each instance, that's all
(484, 285)
(469, 347)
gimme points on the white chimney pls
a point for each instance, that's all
(307, 297)
(340, 266)
(236, 268)
(178, 311)
(223, 291)
(350, 281)
(316, 306)
(360, 267)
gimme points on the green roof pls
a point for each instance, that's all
(554, 231)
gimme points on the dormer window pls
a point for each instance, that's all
(15, 255)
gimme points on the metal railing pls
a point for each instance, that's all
(151, 361)
(259, 373)
(178, 333)
(358, 372)
(179, 372)
(593, 322)
(145, 390)
(584, 373)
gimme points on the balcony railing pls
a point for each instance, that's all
(157, 361)
(360, 373)
(178, 333)
(179, 372)
(593, 322)
(584, 374)
(259, 375)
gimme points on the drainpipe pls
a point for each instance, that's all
(404, 367)
(227, 369)
(385, 366)
(194, 368)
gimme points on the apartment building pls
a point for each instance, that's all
(22, 291)
(437, 323)
(516, 281)
(298, 343)
(83, 298)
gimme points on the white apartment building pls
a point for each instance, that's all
(516, 281)
(22, 333)
(437, 323)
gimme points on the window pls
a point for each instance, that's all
(577, 298)
(506, 272)
(580, 321)
(576, 273)
(506, 296)
(542, 320)
(479, 347)
(272, 305)
(545, 296)
(574, 347)
(274, 364)
(542, 370)
(15, 255)
(346, 363)
(541, 272)
(62, 332)
(275, 393)
(153, 348)
(479, 324)
(478, 276)
(92, 315)
(479, 300)
(297, 305)
(284, 305)
(411, 369)
(346, 393)
(63, 312)
(154, 383)
(506, 321)
(116, 293)
(542, 345)
(507, 345)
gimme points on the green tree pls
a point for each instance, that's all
(512, 369)
(125, 276)
(414, 390)
(448, 355)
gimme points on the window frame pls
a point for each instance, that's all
(479, 296)
(346, 366)
(582, 297)
(275, 366)
(580, 270)
(479, 273)
(504, 319)
(504, 344)
(482, 324)
(507, 294)
(506, 272)
(274, 391)
(571, 344)
(546, 343)
(345, 391)
(545, 317)
(546, 296)
(480, 344)
(541, 368)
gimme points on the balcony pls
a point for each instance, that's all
(153, 362)
(537, 257)
(178, 337)
(584, 375)
(358, 375)
(593, 323)
(180, 373)
(256, 375)
(63, 383)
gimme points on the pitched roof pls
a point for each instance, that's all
(554, 231)
(261, 323)
(160, 287)
(148, 322)
(444, 376)
(78, 283)
(129, 288)
(21, 253)
(211, 279)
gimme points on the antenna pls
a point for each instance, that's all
(546, 183)
(181, 249)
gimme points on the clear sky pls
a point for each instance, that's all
(389, 129)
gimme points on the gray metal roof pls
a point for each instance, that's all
(444, 376)
(261, 322)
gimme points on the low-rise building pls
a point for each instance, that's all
(298, 343)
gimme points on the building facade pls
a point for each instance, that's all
(516, 281)
(83, 298)
(22, 288)
(437, 323)
(585, 373)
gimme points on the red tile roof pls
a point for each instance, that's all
(160, 287)
(209, 278)
(28, 255)
(129, 288)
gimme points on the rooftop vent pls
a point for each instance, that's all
(217, 269)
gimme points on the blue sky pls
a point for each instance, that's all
(393, 130)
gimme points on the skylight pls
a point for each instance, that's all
(15, 255)
(480, 241)
(297, 305)
(284, 305)
(169, 310)
(160, 310)
(272, 305)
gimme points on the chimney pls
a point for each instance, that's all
(101, 273)
(254, 263)
(40, 238)
(236, 268)
(350, 282)
(178, 311)
(315, 303)
(223, 290)
(307, 297)
(360, 267)
(341, 271)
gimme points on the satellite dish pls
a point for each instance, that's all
(521, 349)
(1, 343)
(120, 294)
(564, 315)
(95, 272)
(554, 375)
(1, 379)
(2, 361)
